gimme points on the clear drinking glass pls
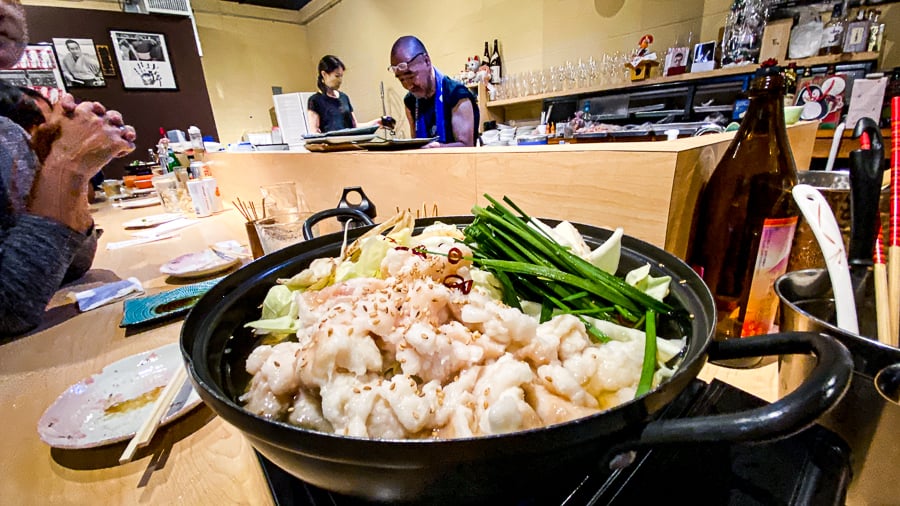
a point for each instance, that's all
(167, 188)
(283, 198)
(280, 231)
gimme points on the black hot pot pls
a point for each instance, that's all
(215, 344)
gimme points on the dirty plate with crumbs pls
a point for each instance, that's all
(109, 406)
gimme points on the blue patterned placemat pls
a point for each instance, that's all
(166, 304)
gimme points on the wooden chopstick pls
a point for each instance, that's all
(145, 433)
(882, 304)
(894, 225)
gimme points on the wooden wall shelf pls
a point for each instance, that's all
(691, 76)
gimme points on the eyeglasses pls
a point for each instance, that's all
(404, 65)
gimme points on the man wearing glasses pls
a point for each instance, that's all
(436, 106)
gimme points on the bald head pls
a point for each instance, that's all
(13, 32)
(407, 46)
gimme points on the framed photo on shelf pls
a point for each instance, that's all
(143, 60)
(37, 69)
(704, 56)
(676, 61)
(78, 62)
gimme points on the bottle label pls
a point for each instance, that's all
(771, 262)
(832, 36)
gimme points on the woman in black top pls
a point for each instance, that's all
(330, 109)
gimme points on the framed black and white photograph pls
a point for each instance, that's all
(143, 60)
(704, 56)
(37, 69)
(78, 62)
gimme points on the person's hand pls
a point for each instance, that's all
(86, 136)
(432, 144)
(386, 122)
(82, 139)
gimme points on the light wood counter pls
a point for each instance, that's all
(649, 188)
(197, 460)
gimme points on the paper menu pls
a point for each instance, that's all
(866, 100)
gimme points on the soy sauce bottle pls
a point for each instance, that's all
(746, 217)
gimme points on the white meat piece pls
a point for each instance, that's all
(307, 412)
(553, 409)
(260, 400)
(500, 386)
(347, 405)
(562, 382)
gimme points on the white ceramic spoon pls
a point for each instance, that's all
(821, 220)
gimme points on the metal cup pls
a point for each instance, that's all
(866, 417)
(835, 187)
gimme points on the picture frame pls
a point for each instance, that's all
(37, 69)
(78, 62)
(676, 61)
(104, 54)
(143, 59)
(704, 56)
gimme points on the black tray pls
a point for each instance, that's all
(395, 144)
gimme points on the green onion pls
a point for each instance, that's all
(649, 366)
(531, 265)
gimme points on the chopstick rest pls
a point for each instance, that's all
(146, 431)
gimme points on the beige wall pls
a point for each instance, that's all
(248, 49)
(242, 60)
(533, 34)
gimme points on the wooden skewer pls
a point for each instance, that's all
(145, 433)
(894, 292)
(239, 206)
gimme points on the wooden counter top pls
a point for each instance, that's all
(197, 460)
(648, 188)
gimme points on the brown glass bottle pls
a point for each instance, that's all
(746, 217)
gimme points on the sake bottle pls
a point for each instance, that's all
(746, 217)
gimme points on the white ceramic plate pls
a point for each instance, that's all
(110, 406)
(151, 221)
(138, 203)
(201, 263)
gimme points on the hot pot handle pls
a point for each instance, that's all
(796, 411)
(355, 214)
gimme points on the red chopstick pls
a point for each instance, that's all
(894, 224)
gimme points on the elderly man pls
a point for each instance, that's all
(436, 106)
(45, 221)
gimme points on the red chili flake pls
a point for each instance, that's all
(454, 256)
(401, 248)
(452, 279)
(457, 281)
(390, 239)
(420, 251)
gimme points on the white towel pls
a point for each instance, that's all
(105, 294)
